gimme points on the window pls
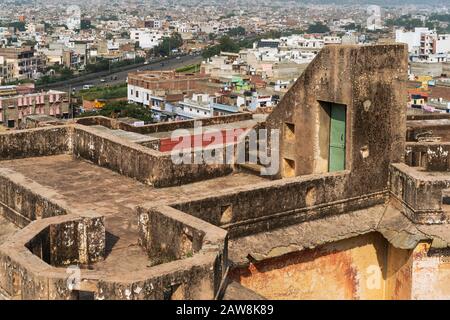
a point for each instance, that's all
(289, 131)
(137, 94)
(288, 167)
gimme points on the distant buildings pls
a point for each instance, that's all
(24, 61)
(15, 108)
(160, 91)
(146, 38)
(425, 45)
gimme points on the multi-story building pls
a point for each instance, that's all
(202, 105)
(142, 85)
(153, 24)
(146, 38)
(425, 45)
(14, 109)
(25, 61)
(6, 71)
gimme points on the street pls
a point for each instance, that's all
(169, 64)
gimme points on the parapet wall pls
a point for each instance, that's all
(79, 241)
(23, 272)
(35, 143)
(163, 126)
(138, 162)
(432, 156)
(168, 235)
(106, 150)
(420, 193)
(22, 201)
(268, 205)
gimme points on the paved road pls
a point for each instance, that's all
(172, 63)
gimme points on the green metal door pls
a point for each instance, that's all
(337, 138)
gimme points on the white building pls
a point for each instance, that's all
(146, 38)
(443, 43)
(425, 45)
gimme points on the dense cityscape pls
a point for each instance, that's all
(192, 150)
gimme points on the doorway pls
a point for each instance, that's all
(336, 160)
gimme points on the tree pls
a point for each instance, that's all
(238, 31)
(225, 44)
(168, 44)
(318, 27)
(120, 109)
(85, 24)
(405, 21)
(20, 26)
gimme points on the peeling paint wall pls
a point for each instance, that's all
(431, 273)
(363, 267)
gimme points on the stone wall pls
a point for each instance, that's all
(138, 162)
(437, 129)
(78, 241)
(421, 194)
(364, 267)
(432, 156)
(370, 82)
(168, 234)
(166, 237)
(22, 201)
(25, 275)
(163, 126)
(273, 204)
(34, 142)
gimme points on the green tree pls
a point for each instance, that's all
(17, 25)
(318, 27)
(168, 44)
(85, 24)
(225, 44)
(238, 31)
(120, 109)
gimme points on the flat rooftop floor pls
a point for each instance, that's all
(85, 186)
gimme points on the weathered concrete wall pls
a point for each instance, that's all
(369, 80)
(79, 241)
(22, 201)
(355, 268)
(168, 234)
(24, 275)
(34, 142)
(146, 165)
(187, 279)
(273, 204)
(432, 156)
(421, 193)
(163, 126)
(431, 273)
(166, 237)
(398, 275)
(437, 128)
(426, 69)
